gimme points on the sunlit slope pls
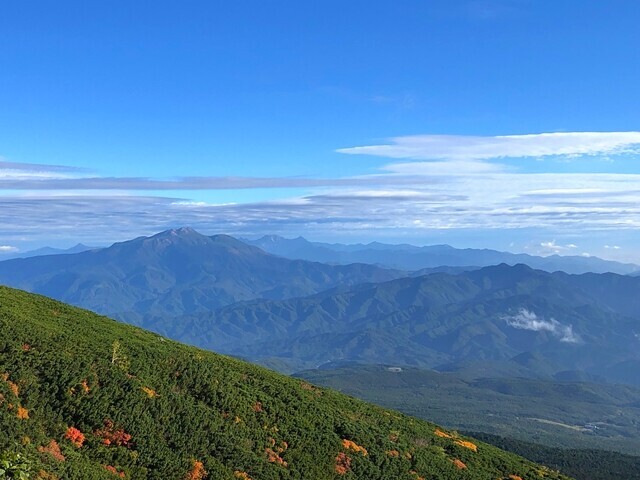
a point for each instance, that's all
(85, 397)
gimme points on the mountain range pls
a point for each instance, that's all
(222, 294)
(80, 247)
(176, 272)
(410, 257)
(511, 320)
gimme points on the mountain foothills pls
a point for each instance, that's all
(85, 397)
(496, 321)
(410, 257)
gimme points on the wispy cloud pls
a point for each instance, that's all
(36, 167)
(460, 148)
(7, 249)
(199, 183)
(528, 320)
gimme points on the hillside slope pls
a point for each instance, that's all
(84, 397)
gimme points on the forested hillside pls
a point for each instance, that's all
(504, 320)
(84, 397)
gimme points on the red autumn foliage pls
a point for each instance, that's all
(343, 463)
(112, 436)
(274, 457)
(53, 449)
(459, 464)
(75, 436)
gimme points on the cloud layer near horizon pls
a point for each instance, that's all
(457, 189)
(463, 147)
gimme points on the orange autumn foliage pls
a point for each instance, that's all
(197, 472)
(23, 413)
(440, 433)
(515, 477)
(465, 444)
(343, 463)
(257, 407)
(12, 386)
(75, 436)
(350, 445)
(241, 475)
(53, 449)
(458, 463)
(113, 470)
(393, 453)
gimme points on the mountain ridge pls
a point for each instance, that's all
(411, 257)
(175, 272)
(476, 319)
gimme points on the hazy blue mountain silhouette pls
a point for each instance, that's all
(410, 257)
(511, 320)
(175, 272)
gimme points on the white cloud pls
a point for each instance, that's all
(7, 249)
(552, 247)
(460, 147)
(527, 320)
(612, 247)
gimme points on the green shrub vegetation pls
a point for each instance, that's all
(85, 397)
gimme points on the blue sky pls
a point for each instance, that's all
(509, 124)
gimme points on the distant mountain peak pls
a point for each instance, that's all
(181, 231)
(270, 238)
